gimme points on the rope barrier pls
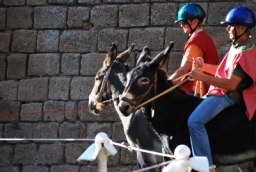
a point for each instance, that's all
(124, 145)
(44, 139)
(142, 150)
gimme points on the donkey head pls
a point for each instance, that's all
(110, 79)
(141, 81)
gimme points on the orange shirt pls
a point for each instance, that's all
(192, 52)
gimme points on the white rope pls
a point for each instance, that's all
(142, 150)
(44, 139)
(114, 143)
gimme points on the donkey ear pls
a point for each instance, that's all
(111, 56)
(145, 56)
(161, 58)
(124, 55)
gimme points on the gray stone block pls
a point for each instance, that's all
(5, 42)
(109, 35)
(54, 111)
(94, 128)
(72, 130)
(24, 130)
(70, 64)
(62, 2)
(45, 130)
(63, 168)
(176, 35)
(2, 67)
(10, 168)
(128, 157)
(9, 112)
(90, 2)
(51, 154)
(118, 132)
(24, 41)
(174, 62)
(115, 160)
(8, 90)
(44, 64)
(81, 88)
(31, 112)
(107, 115)
(6, 155)
(116, 1)
(2, 18)
(1, 130)
(35, 169)
(151, 37)
(104, 16)
(20, 18)
(218, 11)
(71, 111)
(50, 17)
(220, 37)
(48, 41)
(123, 167)
(130, 17)
(78, 17)
(78, 41)
(14, 2)
(139, 1)
(91, 63)
(36, 2)
(163, 13)
(59, 88)
(24, 154)
(74, 150)
(17, 66)
(33, 89)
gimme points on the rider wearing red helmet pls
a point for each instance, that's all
(199, 44)
(234, 81)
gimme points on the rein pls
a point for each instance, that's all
(159, 95)
(172, 88)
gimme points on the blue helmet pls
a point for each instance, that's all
(240, 15)
(189, 11)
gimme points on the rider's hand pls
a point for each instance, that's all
(197, 63)
(196, 75)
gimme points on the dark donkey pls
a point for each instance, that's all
(109, 84)
(231, 134)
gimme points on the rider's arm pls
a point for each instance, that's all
(209, 68)
(192, 51)
(229, 83)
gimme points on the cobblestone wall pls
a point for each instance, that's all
(50, 51)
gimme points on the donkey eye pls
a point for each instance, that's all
(144, 80)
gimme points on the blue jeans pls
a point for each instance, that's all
(204, 112)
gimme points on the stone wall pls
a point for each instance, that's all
(50, 51)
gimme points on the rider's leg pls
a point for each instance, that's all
(205, 111)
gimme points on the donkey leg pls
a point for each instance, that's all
(150, 160)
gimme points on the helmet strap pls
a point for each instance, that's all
(191, 30)
(237, 37)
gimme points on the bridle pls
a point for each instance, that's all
(154, 84)
(140, 97)
(98, 97)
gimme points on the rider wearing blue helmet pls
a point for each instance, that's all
(199, 44)
(240, 16)
(234, 81)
